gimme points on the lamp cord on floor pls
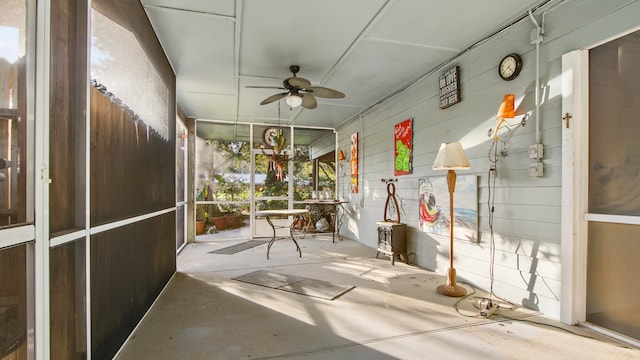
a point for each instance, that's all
(526, 319)
(494, 158)
(491, 185)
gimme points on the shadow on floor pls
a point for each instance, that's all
(393, 312)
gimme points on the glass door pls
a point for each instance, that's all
(17, 232)
(271, 187)
(223, 170)
(182, 154)
(613, 292)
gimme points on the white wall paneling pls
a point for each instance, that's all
(528, 210)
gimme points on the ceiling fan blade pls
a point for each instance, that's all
(325, 92)
(273, 98)
(265, 87)
(298, 82)
(309, 101)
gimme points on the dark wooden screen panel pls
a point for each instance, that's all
(129, 267)
(67, 296)
(132, 167)
(67, 115)
(13, 307)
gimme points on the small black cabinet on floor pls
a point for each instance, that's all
(392, 240)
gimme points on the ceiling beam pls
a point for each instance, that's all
(170, 8)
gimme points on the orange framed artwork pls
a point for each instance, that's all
(354, 163)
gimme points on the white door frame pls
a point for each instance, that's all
(575, 189)
(254, 198)
(575, 161)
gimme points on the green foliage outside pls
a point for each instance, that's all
(231, 178)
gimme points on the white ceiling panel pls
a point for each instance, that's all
(207, 106)
(374, 63)
(367, 49)
(309, 33)
(451, 24)
(200, 48)
(219, 7)
(330, 115)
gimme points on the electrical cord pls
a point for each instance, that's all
(411, 262)
(491, 184)
(494, 158)
(530, 321)
(457, 303)
(479, 300)
(525, 319)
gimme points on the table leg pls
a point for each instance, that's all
(339, 219)
(292, 237)
(307, 222)
(334, 217)
(273, 239)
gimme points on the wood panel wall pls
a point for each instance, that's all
(132, 167)
(67, 114)
(132, 173)
(13, 303)
(67, 297)
(129, 267)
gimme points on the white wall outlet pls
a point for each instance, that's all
(536, 169)
(536, 151)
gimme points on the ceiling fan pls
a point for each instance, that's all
(299, 91)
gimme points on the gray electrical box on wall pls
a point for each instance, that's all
(536, 169)
(536, 151)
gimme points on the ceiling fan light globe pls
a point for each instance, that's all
(294, 100)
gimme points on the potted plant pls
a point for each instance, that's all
(227, 189)
(217, 217)
(234, 220)
(219, 222)
(201, 219)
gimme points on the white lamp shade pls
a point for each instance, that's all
(451, 157)
(294, 100)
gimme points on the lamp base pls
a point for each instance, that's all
(451, 288)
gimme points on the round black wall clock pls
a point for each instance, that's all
(510, 66)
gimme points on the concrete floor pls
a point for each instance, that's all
(393, 312)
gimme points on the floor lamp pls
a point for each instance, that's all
(451, 157)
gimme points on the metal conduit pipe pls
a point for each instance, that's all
(537, 39)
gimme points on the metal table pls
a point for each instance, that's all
(318, 209)
(296, 213)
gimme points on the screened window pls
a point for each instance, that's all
(118, 62)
